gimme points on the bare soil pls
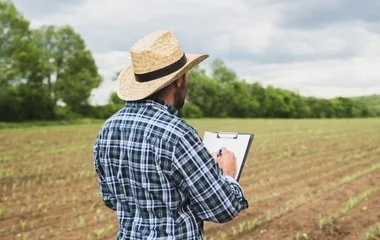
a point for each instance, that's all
(304, 219)
(48, 187)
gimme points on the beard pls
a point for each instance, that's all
(179, 97)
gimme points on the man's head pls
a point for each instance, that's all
(159, 67)
(175, 93)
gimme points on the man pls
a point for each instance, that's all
(152, 167)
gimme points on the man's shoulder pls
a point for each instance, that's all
(182, 127)
(160, 124)
(174, 126)
(113, 121)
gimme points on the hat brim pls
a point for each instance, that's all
(129, 89)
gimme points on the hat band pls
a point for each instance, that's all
(146, 77)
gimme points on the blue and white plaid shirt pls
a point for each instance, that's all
(154, 170)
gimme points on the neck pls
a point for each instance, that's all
(164, 96)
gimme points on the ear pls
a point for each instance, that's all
(181, 81)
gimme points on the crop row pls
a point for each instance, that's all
(298, 168)
(351, 203)
(296, 184)
(291, 156)
(373, 232)
(249, 224)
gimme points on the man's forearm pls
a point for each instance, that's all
(225, 204)
(243, 203)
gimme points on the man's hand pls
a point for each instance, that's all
(227, 162)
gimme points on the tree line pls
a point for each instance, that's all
(48, 74)
(224, 95)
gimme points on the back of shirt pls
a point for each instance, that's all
(154, 170)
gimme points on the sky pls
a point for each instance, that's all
(317, 48)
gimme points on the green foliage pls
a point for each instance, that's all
(55, 123)
(114, 99)
(14, 43)
(41, 68)
(224, 95)
(191, 111)
(372, 102)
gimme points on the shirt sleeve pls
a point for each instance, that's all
(107, 197)
(213, 196)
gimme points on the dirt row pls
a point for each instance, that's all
(259, 209)
(303, 219)
(300, 170)
(273, 164)
(325, 172)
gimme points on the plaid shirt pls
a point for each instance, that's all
(154, 170)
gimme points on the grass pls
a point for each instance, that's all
(33, 124)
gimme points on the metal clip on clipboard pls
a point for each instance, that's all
(232, 135)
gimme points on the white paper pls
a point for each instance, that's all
(236, 145)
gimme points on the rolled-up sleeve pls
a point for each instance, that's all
(213, 196)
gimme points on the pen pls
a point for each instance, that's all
(219, 153)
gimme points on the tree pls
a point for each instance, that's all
(207, 94)
(69, 68)
(21, 87)
(221, 73)
(114, 99)
(224, 95)
(42, 67)
(14, 43)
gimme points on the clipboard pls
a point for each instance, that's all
(239, 143)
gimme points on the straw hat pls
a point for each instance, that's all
(157, 60)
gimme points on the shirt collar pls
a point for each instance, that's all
(154, 102)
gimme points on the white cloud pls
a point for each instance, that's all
(323, 78)
(355, 75)
(254, 37)
(110, 63)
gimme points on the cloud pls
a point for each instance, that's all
(321, 78)
(43, 8)
(345, 63)
(322, 48)
(111, 63)
(318, 14)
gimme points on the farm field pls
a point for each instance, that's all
(304, 179)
